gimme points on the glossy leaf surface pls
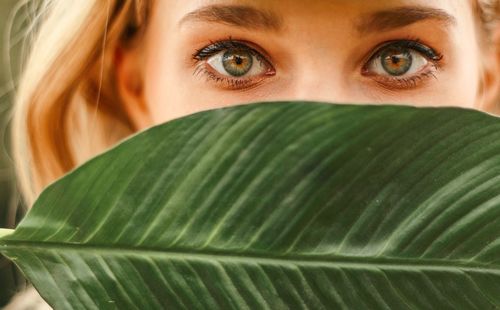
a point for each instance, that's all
(277, 205)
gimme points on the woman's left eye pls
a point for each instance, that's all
(401, 64)
(233, 63)
(397, 62)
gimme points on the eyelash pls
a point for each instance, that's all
(434, 57)
(218, 46)
(415, 44)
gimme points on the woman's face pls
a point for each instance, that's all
(200, 55)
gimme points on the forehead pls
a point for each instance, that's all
(332, 6)
(297, 14)
(289, 11)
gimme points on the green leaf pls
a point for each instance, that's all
(5, 232)
(277, 205)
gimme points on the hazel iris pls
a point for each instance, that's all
(396, 61)
(237, 62)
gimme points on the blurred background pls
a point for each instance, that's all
(15, 16)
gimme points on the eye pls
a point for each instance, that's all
(237, 63)
(397, 61)
(234, 63)
(402, 63)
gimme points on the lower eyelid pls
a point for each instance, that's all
(229, 83)
(407, 82)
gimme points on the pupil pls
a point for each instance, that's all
(237, 62)
(397, 62)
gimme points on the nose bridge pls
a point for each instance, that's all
(318, 68)
(322, 82)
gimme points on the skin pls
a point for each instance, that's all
(319, 54)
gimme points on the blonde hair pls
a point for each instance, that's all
(68, 109)
(488, 12)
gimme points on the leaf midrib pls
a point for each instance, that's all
(248, 257)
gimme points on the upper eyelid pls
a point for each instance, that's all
(436, 56)
(233, 43)
(217, 47)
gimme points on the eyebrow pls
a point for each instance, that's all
(402, 16)
(235, 15)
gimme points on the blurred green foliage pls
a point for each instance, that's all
(14, 16)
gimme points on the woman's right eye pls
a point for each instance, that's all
(237, 63)
(233, 63)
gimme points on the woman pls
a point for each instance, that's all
(102, 70)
